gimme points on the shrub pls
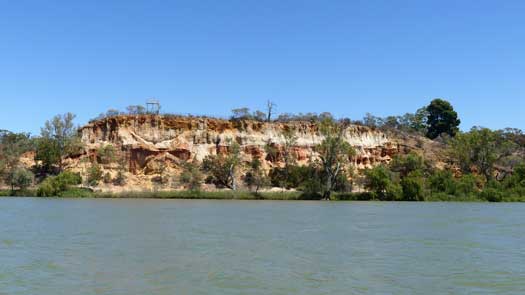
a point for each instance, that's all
(413, 187)
(352, 196)
(256, 177)
(54, 185)
(312, 188)
(393, 192)
(120, 179)
(294, 176)
(492, 195)
(47, 188)
(440, 197)
(517, 179)
(107, 154)
(405, 164)
(76, 193)
(377, 180)
(222, 169)
(442, 181)
(343, 184)
(107, 178)
(468, 184)
(191, 177)
(94, 175)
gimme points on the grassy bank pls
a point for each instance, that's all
(216, 195)
(18, 193)
(246, 195)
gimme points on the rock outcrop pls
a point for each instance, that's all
(144, 141)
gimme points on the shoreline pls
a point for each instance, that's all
(243, 195)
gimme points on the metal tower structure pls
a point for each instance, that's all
(153, 106)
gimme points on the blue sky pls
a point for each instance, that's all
(209, 56)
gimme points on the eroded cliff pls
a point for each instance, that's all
(146, 142)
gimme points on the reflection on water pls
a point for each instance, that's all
(54, 246)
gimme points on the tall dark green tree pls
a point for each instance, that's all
(441, 119)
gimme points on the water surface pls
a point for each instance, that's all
(95, 246)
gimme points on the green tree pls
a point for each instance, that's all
(334, 153)
(419, 122)
(442, 181)
(480, 149)
(405, 164)
(222, 169)
(256, 176)
(112, 113)
(58, 139)
(378, 180)
(441, 119)
(371, 120)
(13, 145)
(514, 135)
(259, 116)
(286, 154)
(20, 178)
(391, 122)
(414, 122)
(413, 187)
(241, 114)
(191, 176)
(517, 179)
(469, 184)
(289, 142)
(48, 153)
(136, 110)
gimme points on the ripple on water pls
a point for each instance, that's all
(59, 247)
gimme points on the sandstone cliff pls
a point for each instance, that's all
(147, 141)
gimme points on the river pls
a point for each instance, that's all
(136, 246)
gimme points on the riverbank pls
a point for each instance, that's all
(247, 195)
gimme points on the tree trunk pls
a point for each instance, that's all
(232, 175)
(326, 195)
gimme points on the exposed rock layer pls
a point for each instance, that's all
(145, 139)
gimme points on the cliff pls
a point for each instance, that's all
(146, 142)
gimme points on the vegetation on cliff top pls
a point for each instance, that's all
(483, 164)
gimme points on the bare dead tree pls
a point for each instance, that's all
(270, 106)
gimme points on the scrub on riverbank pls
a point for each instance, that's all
(247, 195)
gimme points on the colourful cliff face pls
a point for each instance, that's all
(144, 140)
(147, 144)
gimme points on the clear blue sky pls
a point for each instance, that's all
(209, 56)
